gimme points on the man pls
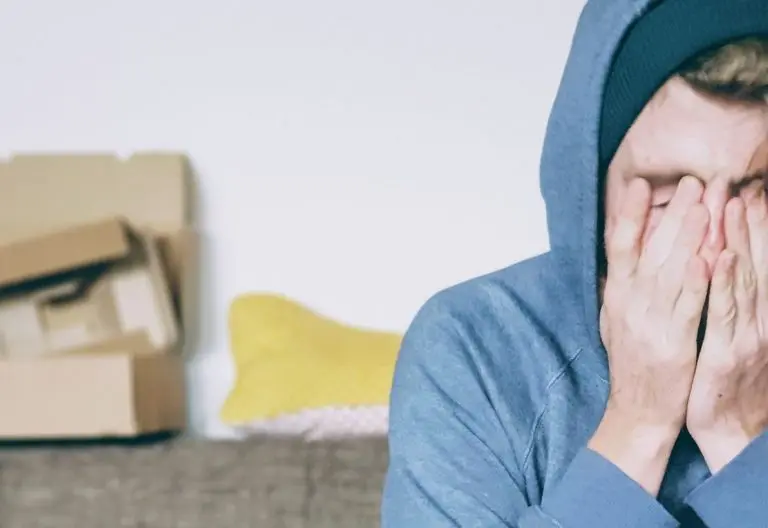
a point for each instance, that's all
(625, 387)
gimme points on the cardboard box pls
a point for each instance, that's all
(80, 288)
(109, 395)
(91, 238)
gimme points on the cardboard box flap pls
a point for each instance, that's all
(52, 307)
(149, 190)
(63, 251)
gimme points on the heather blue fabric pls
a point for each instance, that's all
(502, 380)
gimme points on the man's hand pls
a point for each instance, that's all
(728, 407)
(653, 302)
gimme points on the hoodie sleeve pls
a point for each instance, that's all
(452, 462)
(736, 492)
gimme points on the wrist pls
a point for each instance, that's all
(646, 443)
(641, 451)
(719, 449)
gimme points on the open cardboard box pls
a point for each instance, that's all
(97, 269)
(81, 288)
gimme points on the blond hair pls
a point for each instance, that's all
(738, 70)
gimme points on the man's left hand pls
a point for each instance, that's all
(728, 405)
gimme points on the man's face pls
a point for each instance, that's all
(683, 132)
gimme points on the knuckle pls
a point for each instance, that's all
(622, 236)
(726, 313)
(616, 247)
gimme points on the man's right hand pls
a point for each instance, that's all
(652, 305)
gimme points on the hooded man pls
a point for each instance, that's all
(621, 379)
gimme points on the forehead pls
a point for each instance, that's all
(681, 131)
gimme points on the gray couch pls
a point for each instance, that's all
(183, 483)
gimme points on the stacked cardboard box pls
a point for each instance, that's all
(97, 271)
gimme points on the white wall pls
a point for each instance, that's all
(355, 155)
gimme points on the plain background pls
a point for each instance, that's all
(357, 156)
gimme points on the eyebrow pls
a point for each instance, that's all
(656, 179)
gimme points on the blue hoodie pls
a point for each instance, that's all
(502, 380)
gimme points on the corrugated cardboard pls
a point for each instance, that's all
(119, 386)
(82, 286)
(118, 394)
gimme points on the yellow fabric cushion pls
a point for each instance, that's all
(289, 359)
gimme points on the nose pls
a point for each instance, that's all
(716, 196)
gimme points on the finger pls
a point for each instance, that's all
(690, 304)
(721, 315)
(624, 241)
(689, 191)
(736, 230)
(745, 292)
(716, 196)
(737, 237)
(689, 240)
(757, 222)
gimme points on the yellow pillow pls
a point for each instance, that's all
(289, 359)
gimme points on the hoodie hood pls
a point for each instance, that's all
(570, 163)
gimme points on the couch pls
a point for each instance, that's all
(187, 483)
